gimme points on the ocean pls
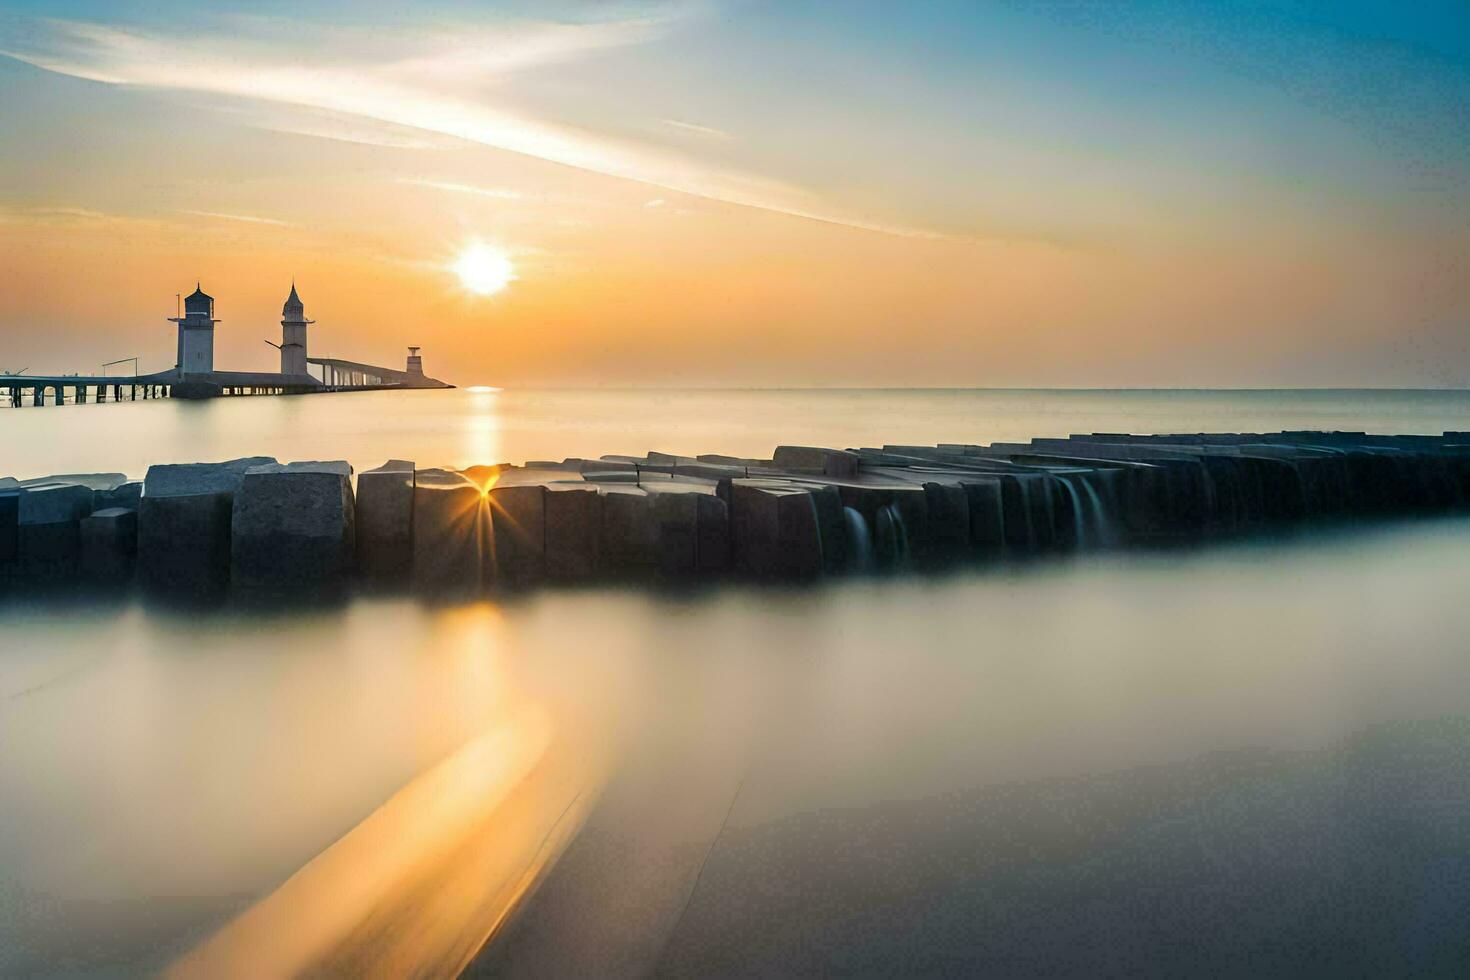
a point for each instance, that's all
(1239, 757)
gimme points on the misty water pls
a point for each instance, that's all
(1245, 757)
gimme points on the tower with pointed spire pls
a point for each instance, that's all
(196, 333)
(293, 334)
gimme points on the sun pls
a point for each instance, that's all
(483, 269)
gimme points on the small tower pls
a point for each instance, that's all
(415, 362)
(196, 333)
(293, 334)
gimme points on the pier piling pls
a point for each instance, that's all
(804, 513)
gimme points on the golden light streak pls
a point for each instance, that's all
(421, 884)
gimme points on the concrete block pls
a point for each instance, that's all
(47, 535)
(829, 462)
(112, 528)
(755, 526)
(693, 527)
(385, 521)
(184, 479)
(184, 541)
(9, 522)
(948, 507)
(109, 542)
(573, 516)
(53, 503)
(127, 495)
(629, 532)
(626, 477)
(774, 530)
(710, 471)
(865, 499)
(1049, 511)
(518, 526)
(293, 524)
(712, 547)
(723, 460)
(1017, 511)
(603, 465)
(987, 516)
(95, 481)
(450, 532)
(48, 551)
(667, 460)
(909, 510)
(831, 527)
(676, 515)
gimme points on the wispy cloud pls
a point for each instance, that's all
(321, 124)
(500, 193)
(62, 212)
(73, 212)
(689, 127)
(251, 219)
(431, 82)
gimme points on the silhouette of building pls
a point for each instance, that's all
(415, 362)
(293, 334)
(196, 333)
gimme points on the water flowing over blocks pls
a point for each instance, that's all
(184, 521)
(385, 520)
(450, 532)
(293, 524)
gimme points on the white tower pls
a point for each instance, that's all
(293, 334)
(196, 333)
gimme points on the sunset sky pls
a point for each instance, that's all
(746, 193)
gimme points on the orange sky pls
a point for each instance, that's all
(1198, 240)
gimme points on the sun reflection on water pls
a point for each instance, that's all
(481, 429)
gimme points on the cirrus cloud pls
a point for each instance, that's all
(439, 81)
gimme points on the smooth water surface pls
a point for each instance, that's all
(471, 426)
(1250, 757)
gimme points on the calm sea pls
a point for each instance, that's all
(1244, 758)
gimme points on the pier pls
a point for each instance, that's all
(193, 375)
(804, 513)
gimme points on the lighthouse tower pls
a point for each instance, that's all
(196, 333)
(293, 334)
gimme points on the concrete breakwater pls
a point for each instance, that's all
(803, 513)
